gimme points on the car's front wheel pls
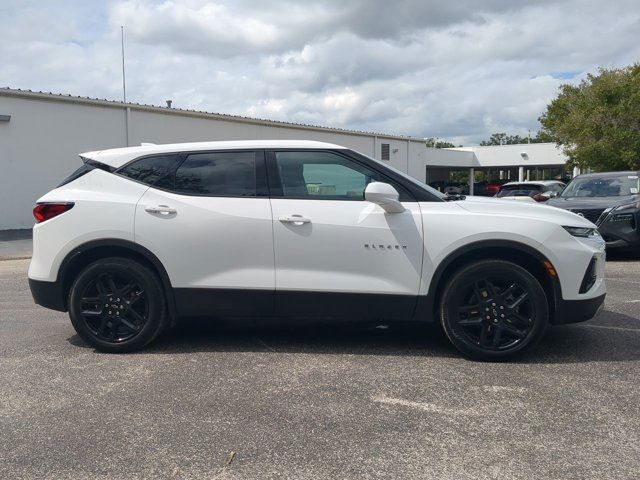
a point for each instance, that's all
(493, 309)
(117, 305)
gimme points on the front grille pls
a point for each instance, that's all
(591, 214)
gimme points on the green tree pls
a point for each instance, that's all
(435, 143)
(504, 139)
(597, 122)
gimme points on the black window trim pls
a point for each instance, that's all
(262, 189)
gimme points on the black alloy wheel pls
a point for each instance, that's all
(114, 308)
(117, 305)
(493, 309)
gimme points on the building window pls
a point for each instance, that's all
(384, 151)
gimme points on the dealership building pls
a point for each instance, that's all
(41, 135)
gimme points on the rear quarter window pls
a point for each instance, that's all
(85, 168)
(156, 171)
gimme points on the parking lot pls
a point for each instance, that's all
(256, 401)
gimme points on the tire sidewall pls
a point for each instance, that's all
(479, 270)
(156, 320)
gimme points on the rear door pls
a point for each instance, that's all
(335, 253)
(209, 222)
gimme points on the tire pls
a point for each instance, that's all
(117, 305)
(493, 310)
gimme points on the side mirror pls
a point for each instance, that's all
(384, 195)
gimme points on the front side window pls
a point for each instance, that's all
(222, 174)
(324, 175)
(156, 171)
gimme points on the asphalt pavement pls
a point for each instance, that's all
(324, 402)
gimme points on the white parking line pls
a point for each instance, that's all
(624, 329)
(424, 406)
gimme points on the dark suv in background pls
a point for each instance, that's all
(611, 201)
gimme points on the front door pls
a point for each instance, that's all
(335, 253)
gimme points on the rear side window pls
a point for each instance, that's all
(221, 174)
(156, 171)
(86, 167)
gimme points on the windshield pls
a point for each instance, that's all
(522, 190)
(617, 186)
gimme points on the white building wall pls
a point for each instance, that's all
(39, 147)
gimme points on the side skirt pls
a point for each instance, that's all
(205, 302)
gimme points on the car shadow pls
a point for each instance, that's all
(592, 341)
(622, 256)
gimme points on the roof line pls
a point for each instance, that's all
(103, 102)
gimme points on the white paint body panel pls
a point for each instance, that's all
(210, 242)
(104, 209)
(330, 253)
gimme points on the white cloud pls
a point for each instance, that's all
(449, 69)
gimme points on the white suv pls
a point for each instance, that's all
(140, 237)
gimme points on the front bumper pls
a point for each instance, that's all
(620, 230)
(48, 294)
(574, 311)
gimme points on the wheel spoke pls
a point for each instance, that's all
(524, 321)
(103, 326)
(135, 297)
(497, 335)
(102, 287)
(111, 283)
(508, 291)
(135, 315)
(129, 325)
(470, 322)
(516, 332)
(518, 301)
(484, 335)
(91, 313)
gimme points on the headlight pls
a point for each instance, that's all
(627, 207)
(583, 232)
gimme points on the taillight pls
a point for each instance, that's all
(539, 198)
(46, 211)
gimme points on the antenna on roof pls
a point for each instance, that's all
(124, 85)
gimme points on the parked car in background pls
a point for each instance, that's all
(492, 188)
(610, 200)
(140, 237)
(536, 191)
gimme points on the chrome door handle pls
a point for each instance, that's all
(161, 209)
(295, 219)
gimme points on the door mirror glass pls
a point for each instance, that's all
(384, 195)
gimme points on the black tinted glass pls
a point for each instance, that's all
(85, 168)
(156, 171)
(224, 174)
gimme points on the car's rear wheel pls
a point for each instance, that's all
(493, 309)
(117, 305)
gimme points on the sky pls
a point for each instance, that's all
(457, 70)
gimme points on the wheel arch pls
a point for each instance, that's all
(84, 254)
(521, 254)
